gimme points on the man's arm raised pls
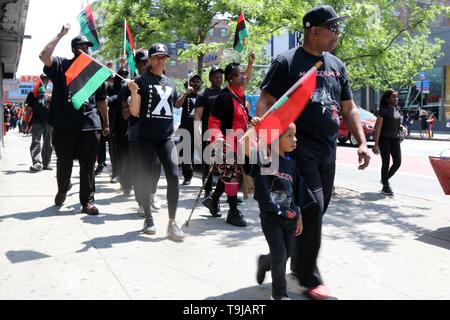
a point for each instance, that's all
(46, 54)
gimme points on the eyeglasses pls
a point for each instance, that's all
(333, 27)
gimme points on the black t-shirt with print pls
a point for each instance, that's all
(187, 115)
(317, 127)
(157, 103)
(391, 122)
(40, 107)
(206, 100)
(278, 191)
(62, 113)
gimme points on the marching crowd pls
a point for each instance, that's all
(136, 118)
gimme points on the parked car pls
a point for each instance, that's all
(368, 120)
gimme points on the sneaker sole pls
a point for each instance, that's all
(175, 238)
(149, 232)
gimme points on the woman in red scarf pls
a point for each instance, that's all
(230, 112)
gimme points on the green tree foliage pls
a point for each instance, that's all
(384, 43)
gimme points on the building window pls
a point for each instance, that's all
(211, 32)
(223, 33)
(173, 63)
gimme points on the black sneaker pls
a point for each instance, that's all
(47, 167)
(260, 270)
(186, 182)
(149, 226)
(387, 190)
(36, 167)
(98, 170)
(236, 218)
(213, 206)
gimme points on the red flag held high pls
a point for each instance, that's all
(288, 108)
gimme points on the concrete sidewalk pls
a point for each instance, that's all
(373, 247)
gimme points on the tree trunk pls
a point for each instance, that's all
(200, 64)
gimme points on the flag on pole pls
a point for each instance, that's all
(87, 25)
(241, 34)
(84, 77)
(38, 88)
(288, 108)
(129, 49)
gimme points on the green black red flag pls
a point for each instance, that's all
(87, 25)
(129, 48)
(241, 34)
(84, 77)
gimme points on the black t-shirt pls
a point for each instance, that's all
(157, 103)
(133, 130)
(62, 113)
(391, 122)
(317, 127)
(187, 115)
(40, 107)
(278, 192)
(206, 100)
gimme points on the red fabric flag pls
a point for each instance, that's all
(288, 108)
(38, 88)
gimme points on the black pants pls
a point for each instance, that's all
(135, 173)
(279, 233)
(389, 147)
(114, 155)
(84, 146)
(187, 168)
(101, 153)
(319, 177)
(148, 151)
(124, 173)
(206, 168)
(220, 189)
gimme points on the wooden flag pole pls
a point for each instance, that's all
(287, 93)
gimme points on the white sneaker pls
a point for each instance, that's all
(282, 298)
(154, 202)
(174, 232)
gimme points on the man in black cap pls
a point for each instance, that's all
(317, 129)
(37, 106)
(187, 102)
(76, 132)
(203, 107)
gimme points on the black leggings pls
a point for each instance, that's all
(389, 147)
(320, 179)
(148, 151)
(279, 233)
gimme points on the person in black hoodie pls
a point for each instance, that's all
(153, 96)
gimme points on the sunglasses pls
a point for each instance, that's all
(333, 27)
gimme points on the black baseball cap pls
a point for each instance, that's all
(215, 69)
(194, 77)
(320, 15)
(81, 40)
(141, 55)
(158, 49)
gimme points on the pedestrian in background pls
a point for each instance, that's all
(431, 121)
(38, 111)
(387, 138)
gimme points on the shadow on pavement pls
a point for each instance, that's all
(24, 255)
(108, 242)
(47, 212)
(439, 238)
(352, 213)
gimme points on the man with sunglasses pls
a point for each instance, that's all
(317, 129)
